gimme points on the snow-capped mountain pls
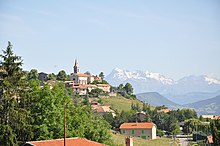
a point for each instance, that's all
(145, 81)
(124, 75)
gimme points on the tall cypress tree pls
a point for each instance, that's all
(13, 116)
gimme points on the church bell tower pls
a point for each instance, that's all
(76, 67)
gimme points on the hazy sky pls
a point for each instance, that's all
(174, 38)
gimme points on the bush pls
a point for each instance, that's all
(160, 132)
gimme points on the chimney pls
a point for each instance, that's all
(129, 141)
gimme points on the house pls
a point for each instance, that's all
(104, 87)
(79, 78)
(146, 130)
(79, 89)
(208, 116)
(141, 116)
(209, 141)
(103, 109)
(216, 118)
(60, 142)
(94, 103)
(163, 110)
(42, 76)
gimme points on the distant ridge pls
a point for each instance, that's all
(155, 99)
(208, 106)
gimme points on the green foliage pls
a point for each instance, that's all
(215, 129)
(128, 88)
(161, 107)
(160, 132)
(61, 76)
(96, 92)
(175, 128)
(52, 76)
(95, 82)
(135, 107)
(126, 91)
(194, 126)
(101, 75)
(33, 74)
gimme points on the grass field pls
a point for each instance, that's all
(120, 103)
(119, 140)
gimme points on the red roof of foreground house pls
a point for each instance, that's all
(146, 125)
(69, 142)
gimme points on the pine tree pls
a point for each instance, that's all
(13, 116)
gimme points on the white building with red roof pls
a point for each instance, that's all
(145, 130)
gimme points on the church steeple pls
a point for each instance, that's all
(76, 67)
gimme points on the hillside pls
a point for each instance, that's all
(208, 106)
(120, 103)
(155, 99)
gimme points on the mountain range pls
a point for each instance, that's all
(204, 107)
(187, 90)
(155, 99)
(208, 106)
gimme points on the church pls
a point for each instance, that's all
(81, 83)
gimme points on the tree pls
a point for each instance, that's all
(96, 92)
(128, 88)
(215, 129)
(52, 76)
(33, 74)
(101, 75)
(87, 72)
(61, 76)
(14, 118)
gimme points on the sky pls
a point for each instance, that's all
(173, 38)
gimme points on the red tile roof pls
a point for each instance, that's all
(82, 75)
(216, 117)
(146, 125)
(69, 142)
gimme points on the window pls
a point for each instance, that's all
(132, 131)
(142, 131)
(123, 131)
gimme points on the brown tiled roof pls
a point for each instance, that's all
(69, 142)
(146, 125)
(216, 117)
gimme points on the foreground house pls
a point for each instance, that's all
(146, 130)
(60, 142)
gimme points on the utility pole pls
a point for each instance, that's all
(64, 123)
